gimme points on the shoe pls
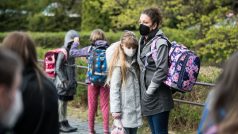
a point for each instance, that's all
(65, 127)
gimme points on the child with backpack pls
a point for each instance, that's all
(96, 77)
(123, 78)
(65, 79)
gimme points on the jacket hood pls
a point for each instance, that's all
(110, 51)
(101, 43)
(69, 37)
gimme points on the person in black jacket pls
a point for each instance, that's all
(40, 115)
(10, 95)
(65, 81)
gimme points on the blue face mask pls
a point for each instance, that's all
(144, 30)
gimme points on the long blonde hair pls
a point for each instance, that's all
(129, 40)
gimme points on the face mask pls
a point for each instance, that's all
(129, 52)
(10, 117)
(144, 30)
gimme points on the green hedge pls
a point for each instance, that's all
(56, 39)
(216, 47)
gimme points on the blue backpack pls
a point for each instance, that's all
(97, 65)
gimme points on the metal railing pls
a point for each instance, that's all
(176, 100)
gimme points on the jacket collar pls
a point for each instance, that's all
(142, 53)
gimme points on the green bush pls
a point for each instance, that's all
(185, 37)
(186, 117)
(218, 45)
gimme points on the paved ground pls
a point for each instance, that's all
(83, 127)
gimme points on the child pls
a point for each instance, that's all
(65, 81)
(40, 100)
(123, 78)
(96, 77)
(220, 114)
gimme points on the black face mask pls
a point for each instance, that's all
(144, 30)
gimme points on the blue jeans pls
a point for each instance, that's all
(159, 123)
(131, 130)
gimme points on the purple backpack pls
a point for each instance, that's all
(184, 65)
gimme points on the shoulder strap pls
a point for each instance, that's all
(154, 46)
(63, 50)
(169, 43)
(90, 48)
(165, 38)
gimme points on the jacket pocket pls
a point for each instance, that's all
(147, 97)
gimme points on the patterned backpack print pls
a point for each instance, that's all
(184, 66)
(50, 61)
(97, 66)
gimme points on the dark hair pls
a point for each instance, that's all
(155, 15)
(24, 46)
(9, 65)
(226, 92)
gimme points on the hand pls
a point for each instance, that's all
(149, 93)
(116, 115)
(76, 39)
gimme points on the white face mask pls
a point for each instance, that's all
(129, 52)
(10, 117)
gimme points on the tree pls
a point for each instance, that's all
(93, 17)
(124, 14)
(193, 13)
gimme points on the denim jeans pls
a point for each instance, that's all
(131, 130)
(159, 123)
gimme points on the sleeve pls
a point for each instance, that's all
(115, 91)
(161, 68)
(59, 64)
(74, 52)
(206, 120)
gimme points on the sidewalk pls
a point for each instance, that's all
(83, 127)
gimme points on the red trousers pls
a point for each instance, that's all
(93, 92)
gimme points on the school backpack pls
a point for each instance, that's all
(184, 65)
(97, 65)
(50, 61)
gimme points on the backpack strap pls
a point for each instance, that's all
(63, 50)
(154, 47)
